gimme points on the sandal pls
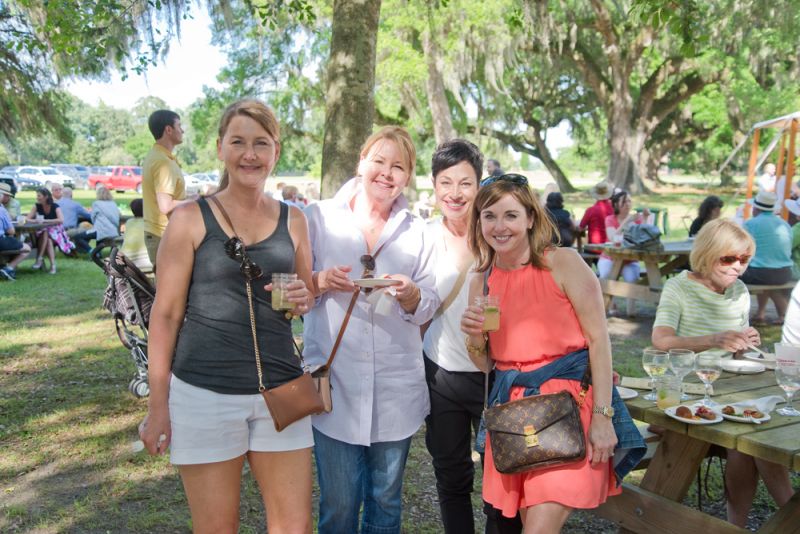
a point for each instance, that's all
(37, 265)
(53, 269)
(755, 321)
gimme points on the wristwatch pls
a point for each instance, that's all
(608, 411)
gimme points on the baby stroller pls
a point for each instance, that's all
(129, 297)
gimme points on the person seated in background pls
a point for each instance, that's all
(8, 201)
(105, 218)
(709, 209)
(772, 263)
(616, 223)
(493, 168)
(766, 182)
(51, 236)
(707, 309)
(133, 246)
(594, 220)
(74, 213)
(57, 191)
(290, 196)
(8, 241)
(563, 220)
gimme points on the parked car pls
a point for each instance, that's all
(78, 173)
(197, 181)
(44, 175)
(9, 179)
(122, 178)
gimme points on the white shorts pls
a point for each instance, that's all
(213, 427)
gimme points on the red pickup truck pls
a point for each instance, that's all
(122, 178)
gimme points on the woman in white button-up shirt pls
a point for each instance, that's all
(380, 398)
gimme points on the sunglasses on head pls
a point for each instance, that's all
(234, 248)
(516, 179)
(744, 259)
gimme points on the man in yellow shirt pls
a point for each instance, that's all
(163, 186)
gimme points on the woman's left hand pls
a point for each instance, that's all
(407, 293)
(602, 439)
(297, 293)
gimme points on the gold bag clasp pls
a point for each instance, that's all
(531, 439)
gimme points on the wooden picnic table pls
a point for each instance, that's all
(655, 505)
(658, 264)
(31, 227)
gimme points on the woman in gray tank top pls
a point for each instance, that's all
(204, 402)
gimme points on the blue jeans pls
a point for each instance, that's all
(352, 475)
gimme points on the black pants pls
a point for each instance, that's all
(456, 407)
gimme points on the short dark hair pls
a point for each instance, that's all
(159, 120)
(453, 152)
(555, 201)
(137, 207)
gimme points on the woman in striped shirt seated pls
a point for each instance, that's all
(708, 309)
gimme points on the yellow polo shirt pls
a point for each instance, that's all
(160, 174)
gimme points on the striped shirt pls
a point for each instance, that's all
(692, 309)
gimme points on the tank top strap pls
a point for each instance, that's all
(209, 220)
(283, 220)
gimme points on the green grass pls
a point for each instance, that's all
(67, 421)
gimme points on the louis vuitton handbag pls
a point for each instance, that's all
(537, 431)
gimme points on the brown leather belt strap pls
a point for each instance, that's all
(346, 320)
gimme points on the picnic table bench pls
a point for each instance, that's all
(655, 505)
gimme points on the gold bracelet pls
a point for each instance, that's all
(475, 350)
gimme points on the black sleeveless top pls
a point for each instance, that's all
(47, 216)
(215, 345)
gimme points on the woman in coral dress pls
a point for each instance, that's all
(551, 305)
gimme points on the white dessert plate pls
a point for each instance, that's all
(742, 367)
(376, 282)
(627, 393)
(743, 419)
(671, 412)
(757, 356)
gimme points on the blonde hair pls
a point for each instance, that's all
(254, 109)
(104, 194)
(403, 141)
(540, 235)
(717, 238)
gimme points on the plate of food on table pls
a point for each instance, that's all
(695, 414)
(744, 414)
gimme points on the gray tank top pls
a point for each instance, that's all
(215, 345)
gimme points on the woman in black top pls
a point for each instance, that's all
(710, 209)
(205, 404)
(48, 238)
(561, 218)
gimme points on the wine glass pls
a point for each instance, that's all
(787, 374)
(681, 361)
(708, 367)
(655, 363)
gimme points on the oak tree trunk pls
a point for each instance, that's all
(349, 92)
(437, 98)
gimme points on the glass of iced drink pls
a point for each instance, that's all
(668, 391)
(491, 312)
(279, 283)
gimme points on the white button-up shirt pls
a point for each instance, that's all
(378, 377)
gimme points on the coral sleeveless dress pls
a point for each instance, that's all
(537, 325)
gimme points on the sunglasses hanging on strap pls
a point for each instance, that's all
(297, 398)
